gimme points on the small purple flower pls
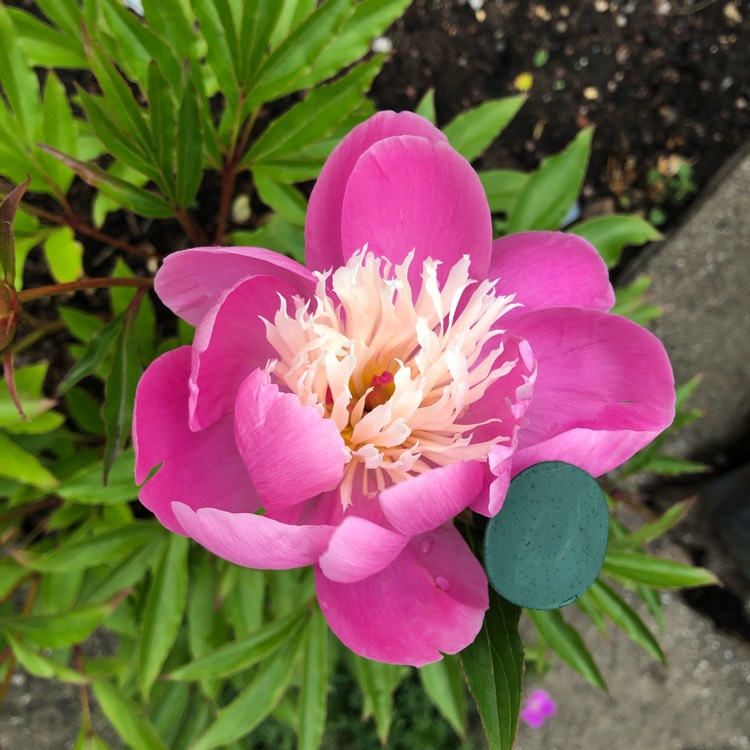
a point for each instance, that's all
(539, 707)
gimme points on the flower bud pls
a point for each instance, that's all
(9, 307)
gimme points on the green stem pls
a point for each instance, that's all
(28, 295)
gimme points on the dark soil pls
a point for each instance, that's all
(665, 83)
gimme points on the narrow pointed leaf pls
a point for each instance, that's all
(22, 466)
(165, 607)
(623, 615)
(257, 700)
(44, 46)
(444, 684)
(313, 700)
(426, 106)
(610, 235)
(379, 682)
(503, 188)
(189, 164)
(127, 718)
(553, 188)
(656, 528)
(493, 666)
(565, 641)
(471, 132)
(656, 572)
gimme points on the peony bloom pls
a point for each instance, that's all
(539, 707)
(341, 415)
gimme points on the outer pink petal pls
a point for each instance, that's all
(409, 193)
(323, 227)
(254, 541)
(358, 549)
(291, 452)
(604, 389)
(431, 599)
(550, 269)
(421, 504)
(198, 469)
(190, 282)
(230, 342)
(497, 480)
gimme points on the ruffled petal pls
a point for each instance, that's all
(407, 193)
(323, 226)
(197, 469)
(498, 474)
(550, 269)
(426, 502)
(431, 599)
(230, 342)
(291, 452)
(190, 282)
(253, 541)
(358, 549)
(604, 389)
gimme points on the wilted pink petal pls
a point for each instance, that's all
(538, 708)
(409, 378)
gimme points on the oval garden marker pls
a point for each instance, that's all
(547, 544)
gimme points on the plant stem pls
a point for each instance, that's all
(195, 234)
(228, 178)
(25, 510)
(28, 295)
(37, 334)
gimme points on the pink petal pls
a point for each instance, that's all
(408, 193)
(358, 549)
(604, 389)
(496, 481)
(550, 269)
(253, 541)
(197, 469)
(323, 227)
(190, 282)
(417, 505)
(291, 452)
(431, 599)
(230, 342)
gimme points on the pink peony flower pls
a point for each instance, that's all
(539, 707)
(341, 415)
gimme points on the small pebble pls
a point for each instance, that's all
(591, 93)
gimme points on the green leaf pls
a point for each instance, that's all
(96, 352)
(493, 665)
(565, 641)
(59, 130)
(370, 19)
(22, 466)
(278, 234)
(285, 200)
(620, 612)
(138, 199)
(39, 665)
(119, 391)
(471, 132)
(314, 118)
(108, 547)
(258, 699)
(444, 684)
(86, 486)
(293, 13)
(218, 29)
(672, 466)
(426, 106)
(165, 607)
(11, 574)
(259, 20)
(64, 13)
(145, 319)
(57, 629)
(286, 68)
(587, 606)
(19, 82)
(313, 700)
(553, 188)
(503, 188)
(243, 605)
(610, 235)
(44, 46)
(127, 718)
(189, 163)
(64, 255)
(162, 123)
(242, 653)
(656, 528)
(39, 425)
(379, 682)
(629, 568)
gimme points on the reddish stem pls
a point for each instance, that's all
(228, 179)
(28, 295)
(195, 234)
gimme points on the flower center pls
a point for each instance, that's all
(397, 375)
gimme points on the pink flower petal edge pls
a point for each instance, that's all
(430, 601)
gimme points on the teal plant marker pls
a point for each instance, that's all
(547, 544)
